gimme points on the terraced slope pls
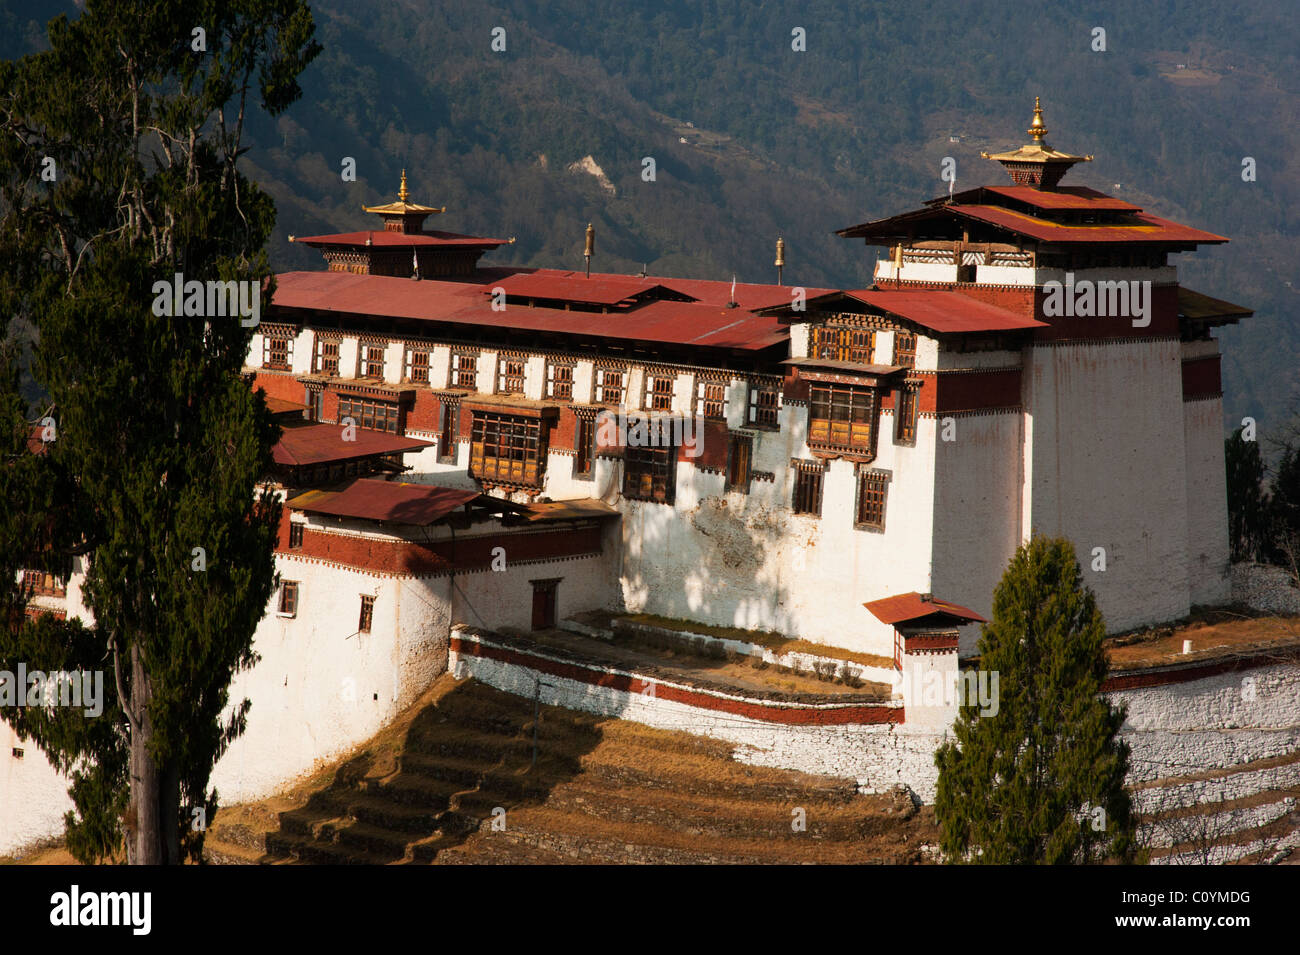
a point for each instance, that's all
(454, 783)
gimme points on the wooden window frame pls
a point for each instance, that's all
(463, 375)
(366, 362)
(418, 372)
(740, 460)
(289, 602)
(42, 583)
(906, 405)
(872, 499)
(809, 484)
(295, 535)
(448, 431)
(711, 398)
(511, 372)
(367, 618)
(559, 386)
(277, 358)
(584, 447)
(842, 418)
(650, 474)
(369, 412)
(764, 405)
(610, 394)
(839, 342)
(324, 363)
(660, 392)
(904, 348)
(507, 449)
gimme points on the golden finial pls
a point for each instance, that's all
(1037, 129)
(780, 252)
(402, 193)
(591, 241)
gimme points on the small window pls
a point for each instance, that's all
(584, 446)
(367, 613)
(372, 361)
(559, 380)
(905, 348)
(447, 431)
(764, 404)
(464, 370)
(289, 598)
(659, 392)
(740, 449)
(872, 489)
(808, 477)
(510, 376)
(295, 535)
(843, 343)
(417, 365)
(711, 399)
(327, 357)
(649, 473)
(277, 352)
(609, 386)
(905, 413)
(371, 415)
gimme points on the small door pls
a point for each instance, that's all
(544, 604)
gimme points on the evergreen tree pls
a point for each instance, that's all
(1043, 780)
(119, 153)
(1248, 502)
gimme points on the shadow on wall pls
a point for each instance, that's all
(465, 762)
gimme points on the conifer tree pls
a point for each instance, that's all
(119, 150)
(1249, 506)
(1043, 780)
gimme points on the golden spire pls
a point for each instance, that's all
(402, 193)
(1037, 129)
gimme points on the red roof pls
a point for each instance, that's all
(375, 500)
(459, 303)
(1144, 228)
(1062, 197)
(575, 287)
(914, 606)
(323, 444)
(382, 238)
(941, 310)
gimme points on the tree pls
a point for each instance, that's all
(119, 148)
(1043, 780)
(1248, 502)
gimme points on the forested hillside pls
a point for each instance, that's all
(794, 143)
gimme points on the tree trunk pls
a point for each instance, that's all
(144, 844)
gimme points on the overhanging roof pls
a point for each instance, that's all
(324, 444)
(378, 238)
(1204, 308)
(387, 501)
(913, 608)
(938, 310)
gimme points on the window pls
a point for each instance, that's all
(841, 417)
(808, 487)
(905, 412)
(904, 348)
(289, 598)
(370, 414)
(367, 613)
(764, 404)
(327, 357)
(559, 380)
(295, 535)
(44, 584)
(740, 449)
(649, 473)
(843, 343)
(584, 445)
(449, 426)
(314, 400)
(372, 361)
(659, 392)
(506, 448)
(711, 399)
(510, 375)
(464, 369)
(417, 365)
(609, 386)
(277, 351)
(872, 487)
